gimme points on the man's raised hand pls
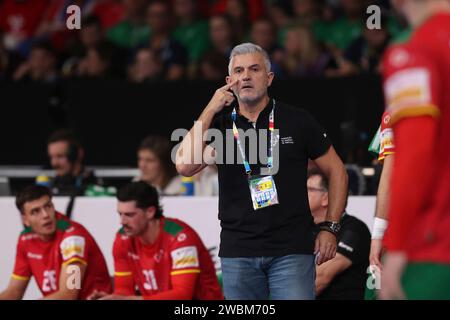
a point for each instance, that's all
(222, 97)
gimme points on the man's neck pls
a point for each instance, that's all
(252, 111)
(151, 233)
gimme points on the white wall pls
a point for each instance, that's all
(99, 216)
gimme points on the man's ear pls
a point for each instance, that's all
(150, 212)
(24, 219)
(227, 79)
(270, 77)
(324, 201)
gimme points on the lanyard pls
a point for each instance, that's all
(248, 171)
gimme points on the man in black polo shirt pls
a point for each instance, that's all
(267, 240)
(344, 276)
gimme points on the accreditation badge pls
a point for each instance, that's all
(263, 192)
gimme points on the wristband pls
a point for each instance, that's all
(379, 227)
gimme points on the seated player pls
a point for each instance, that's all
(63, 257)
(163, 257)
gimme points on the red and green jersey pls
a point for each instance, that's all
(44, 259)
(177, 250)
(416, 85)
(386, 137)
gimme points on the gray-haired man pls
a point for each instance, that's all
(267, 243)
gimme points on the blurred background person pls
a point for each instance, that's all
(306, 12)
(91, 37)
(19, 20)
(213, 67)
(221, 35)
(365, 52)
(40, 65)
(304, 56)
(66, 156)
(337, 31)
(9, 61)
(238, 11)
(263, 33)
(53, 27)
(133, 30)
(191, 31)
(171, 52)
(280, 13)
(97, 62)
(147, 67)
(156, 166)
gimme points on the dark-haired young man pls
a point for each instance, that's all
(63, 257)
(163, 257)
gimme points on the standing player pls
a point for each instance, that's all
(416, 82)
(383, 145)
(61, 254)
(163, 257)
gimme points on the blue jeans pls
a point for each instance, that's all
(290, 277)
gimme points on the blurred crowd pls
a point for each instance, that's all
(145, 40)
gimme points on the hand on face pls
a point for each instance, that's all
(222, 97)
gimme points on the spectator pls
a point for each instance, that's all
(147, 66)
(344, 276)
(191, 31)
(238, 10)
(19, 20)
(365, 53)
(279, 13)
(156, 166)
(133, 30)
(213, 66)
(172, 53)
(40, 65)
(53, 25)
(92, 37)
(263, 34)
(339, 33)
(221, 34)
(66, 156)
(8, 60)
(304, 56)
(305, 12)
(97, 62)
(214, 63)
